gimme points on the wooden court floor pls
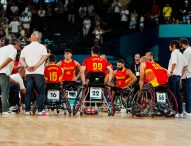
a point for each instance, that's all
(96, 130)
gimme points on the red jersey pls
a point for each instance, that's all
(15, 68)
(155, 74)
(122, 79)
(95, 64)
(69, 70)
(53, 73)
(107, 72)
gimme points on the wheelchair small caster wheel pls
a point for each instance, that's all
(57, 111)
(64, 113)
(109, 114)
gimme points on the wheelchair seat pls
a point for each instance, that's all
(53, 86)
(161, 88)
(69, 85)
(96, 79)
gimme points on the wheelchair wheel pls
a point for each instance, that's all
(79, 99)
(170, 107)
(110, 100)
(117, 102)
(126, 98)
(67, 103)
(143, 102)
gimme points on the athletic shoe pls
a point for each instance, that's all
(14, 108)
(177, 115)
(187, 114)
(28, 113)
(43, 113)
(181, 115)
(8, 113)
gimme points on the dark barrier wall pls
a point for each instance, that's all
(138, 42)
(156, 41)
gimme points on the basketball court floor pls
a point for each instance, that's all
(94, 130)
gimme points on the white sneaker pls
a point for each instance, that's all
(181, 115)
(14, 108)
(187, 114)
(8, 113)
(28, 113)
(177, 115)
(43, 113)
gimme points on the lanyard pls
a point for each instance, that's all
(137, 69)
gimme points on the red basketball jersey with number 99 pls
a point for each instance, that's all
(95, 64)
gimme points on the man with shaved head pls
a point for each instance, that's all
(150, 55)
(152, 73)
(33, 57)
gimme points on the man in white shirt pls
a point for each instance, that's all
(26, 22)
(33, 57)
(14, 25)
(176, 69)
(17, 88)
(186, 79)
(8, 54)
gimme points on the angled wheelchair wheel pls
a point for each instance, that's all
(79, 100)
(143, 102)
(126, 98)
(110, 102)
(117, 102)
(66, 102)
(170, 107)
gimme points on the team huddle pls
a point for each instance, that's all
(39, 76)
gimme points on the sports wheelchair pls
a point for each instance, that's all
(122, 98)
(93, 95)
(56, 98)
(154, 101)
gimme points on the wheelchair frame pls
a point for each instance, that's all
(63, 100)
(145, 102)
(79, 104)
